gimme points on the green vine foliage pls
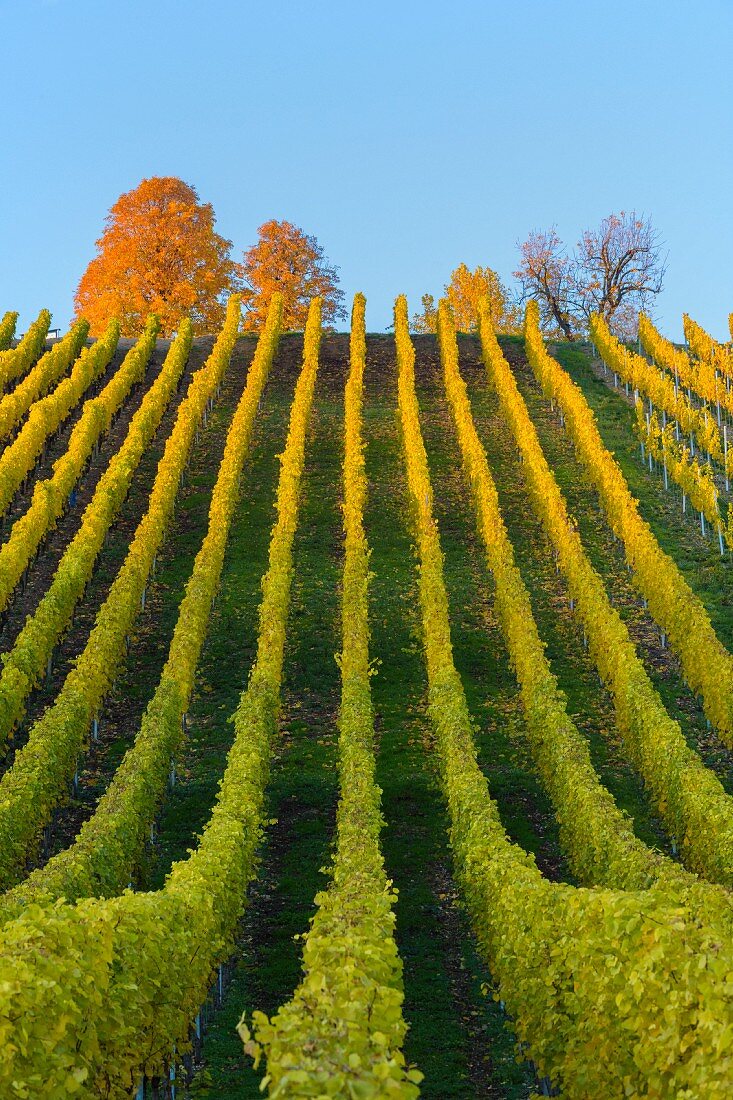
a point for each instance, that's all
(139, 965)
(606, 988)
(341, 1033)
(689, 797)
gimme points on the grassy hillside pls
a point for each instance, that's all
(459, 1036)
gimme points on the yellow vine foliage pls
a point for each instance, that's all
(16, 361)
(7, 330)
(50, 495)
(596, 836)
(45, 374)
(694, 478)
(659, 387)
(46, 414)
(699, 376)
(689, 797)
(706, 349)
(109, 845)
(65, 725)
(707, 664)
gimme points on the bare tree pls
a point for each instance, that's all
(614, 271)
(547, 273)
(618, 268)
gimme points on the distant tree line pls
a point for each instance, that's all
(160, 253)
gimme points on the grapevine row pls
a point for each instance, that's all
(699, 376)
(694, 479)
(104, 856)
(139, 966)
(48, 370)
(662, 441)
(343, 1029)
(597, 837)
(706, 349)
(46, 415)
(16, 361)
(595, 1029)
(35, 783)
(24, 664)
(689, 797)
(7, 332)
(50, 496)
(661, 391)
(707, 665)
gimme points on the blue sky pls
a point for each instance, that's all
(407, 137)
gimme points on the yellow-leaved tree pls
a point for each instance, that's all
(464, 292)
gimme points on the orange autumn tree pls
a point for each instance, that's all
(287, 260)
(158, 254)
(464, 292)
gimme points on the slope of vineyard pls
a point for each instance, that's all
(406, 859)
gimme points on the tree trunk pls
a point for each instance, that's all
(563, 322)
